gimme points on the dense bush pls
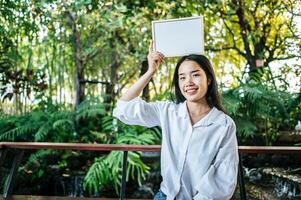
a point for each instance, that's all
(89, 123)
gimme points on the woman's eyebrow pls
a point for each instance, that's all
(190, 72)
(195, 71)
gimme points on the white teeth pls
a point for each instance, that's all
(190, 90)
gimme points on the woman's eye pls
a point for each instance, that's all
(182, 78)
(196, 75)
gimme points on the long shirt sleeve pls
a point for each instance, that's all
(137, 112)
(220, 180)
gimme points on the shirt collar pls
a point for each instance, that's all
(214, 116)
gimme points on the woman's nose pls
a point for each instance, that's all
(189, 82)
(187, 79)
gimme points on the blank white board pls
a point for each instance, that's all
(179, 37)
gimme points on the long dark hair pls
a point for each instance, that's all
(212, 95)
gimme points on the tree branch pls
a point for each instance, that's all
(92, 55)
(233, 36)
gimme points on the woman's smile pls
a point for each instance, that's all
(191, 91)
(192, 81)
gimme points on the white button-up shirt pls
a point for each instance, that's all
(198, 162)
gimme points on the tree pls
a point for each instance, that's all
(18, 30)
(259, 31)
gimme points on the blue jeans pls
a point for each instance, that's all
(160, 196)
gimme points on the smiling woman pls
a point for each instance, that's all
(194, 80)
(199, 153)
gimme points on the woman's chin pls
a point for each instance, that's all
(192, 98)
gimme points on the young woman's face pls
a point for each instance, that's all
(193, 81)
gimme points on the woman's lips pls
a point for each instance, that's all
(191, 91)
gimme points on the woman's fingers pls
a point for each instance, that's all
(161, 54)
(151, 49)
(159, 59)
(155, 58)
(157, 55)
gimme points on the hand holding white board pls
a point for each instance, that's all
(179, 37)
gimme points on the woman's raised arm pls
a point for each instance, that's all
(154, 61)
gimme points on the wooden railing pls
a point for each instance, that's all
(20, 147)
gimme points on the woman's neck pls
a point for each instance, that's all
(198, 108)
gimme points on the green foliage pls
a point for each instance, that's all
(37, 61)
(38, 162)
(258, 109)
(107, 169)
(88, 123)
(49, 124)
(98, 173)
(89, 109)
(39, 126)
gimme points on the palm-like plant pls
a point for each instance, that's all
(52, 124)
(88, 123)
(256, 108)
(107, 169)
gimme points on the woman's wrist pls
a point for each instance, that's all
(150, 72)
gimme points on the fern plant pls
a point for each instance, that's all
(49, 125)
(257, 109)
(88, 123)
(107, 169)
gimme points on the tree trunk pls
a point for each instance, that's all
(79, 87)
(244, 31)
(110, 92)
